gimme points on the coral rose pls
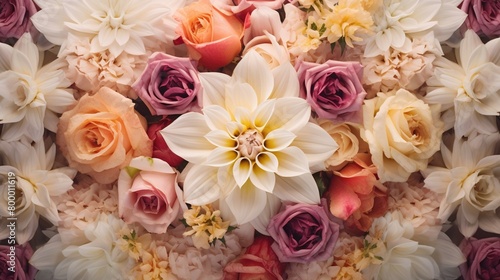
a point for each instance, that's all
(258, 262)
(101, 134)
(211, 36)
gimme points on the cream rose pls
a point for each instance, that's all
(402, 133)
(344, 135)
(101, 134)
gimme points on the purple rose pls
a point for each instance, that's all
(14, 264)
(303, 233)
(483, 258)
(333, 89)
(483, 17)
(15, 17)
(169, 85)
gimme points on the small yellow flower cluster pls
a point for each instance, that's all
(206, 225)
(151, 258)
(343, 21)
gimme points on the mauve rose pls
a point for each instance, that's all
(169, 85)
(160, 147)
(303, 233)
(15, 17)
(483, 258)
(333, 89)
(148, 194)
(259, 262)
(19, 259)
(483, 16)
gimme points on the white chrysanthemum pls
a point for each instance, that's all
(117, 25)
(89, 254)
(36, 185)
(469, 89)
(470, 182)
(30, 95)
(399, 20)
(398, 255)
(252, 143)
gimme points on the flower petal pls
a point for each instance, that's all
(241, 169)
(254, 70)
(216, 117)
(262, 179)
(299, 189)
(316, 143)
(267, 161)
(291, 162)
(221, 138)
(278, 140)
(214, 88)
(185, 137)
(273, 206)
(221, 156)
(262, 114)
(240, 95)
(201, 185)
(290, 113)
(246, 203)
(286, 81)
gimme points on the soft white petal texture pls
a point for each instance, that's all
(216, 117)
(291, 162)
(286, 82)
(490, 222)
(263, 114)
(262, 179)
(240, 95)
(185, 137)
(246, 203)
(289, 113)
(242, 169)
(221, 156)
(273, 206)
(316, 144)
(299, 189)
(278, 140)
(214, 88)
(261, 80)
(201, 185)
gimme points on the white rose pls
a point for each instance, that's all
(402, 133)
(268, 47)
(347, 140)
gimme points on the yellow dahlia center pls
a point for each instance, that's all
(250, 143)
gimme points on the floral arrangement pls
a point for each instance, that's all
(249, 139)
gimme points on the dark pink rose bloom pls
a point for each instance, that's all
(333, 89)
(19, 259)
(483, 17)
(15, 17)
(483, 258)
(160, 147)
(259, 262)
(169, 85)
(303, 233)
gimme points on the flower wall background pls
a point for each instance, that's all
(245, 139)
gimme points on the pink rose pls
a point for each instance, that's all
(169, 85)
(356, 196)
(303, 233)
(148, 194)
(483, 16)
(15, 17)
(160, 148)
(483, 258)
(211, 36)
(333, 89)
(258, 262)
(14, 264)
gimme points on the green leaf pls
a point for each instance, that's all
(132, 171)
(318, 178)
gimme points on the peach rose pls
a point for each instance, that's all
(211, 36)
(356, 196)
(101, 134)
